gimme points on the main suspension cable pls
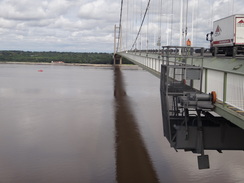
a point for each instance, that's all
(141, 24)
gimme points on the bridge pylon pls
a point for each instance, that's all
(117, 45)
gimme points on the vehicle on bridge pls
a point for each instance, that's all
(227, 36)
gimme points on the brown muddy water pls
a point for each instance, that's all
(93, 125)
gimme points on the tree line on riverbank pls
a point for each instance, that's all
(66, 57)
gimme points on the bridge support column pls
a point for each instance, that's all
(118, 60)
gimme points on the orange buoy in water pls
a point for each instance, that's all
(40, 70)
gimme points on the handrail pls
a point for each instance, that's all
(154, 61)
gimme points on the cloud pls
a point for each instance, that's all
(21, 10)
(82, 23)
(87, 25)
(100, 10)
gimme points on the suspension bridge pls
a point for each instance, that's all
(202, 96)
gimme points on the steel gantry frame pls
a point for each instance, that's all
(188, 118)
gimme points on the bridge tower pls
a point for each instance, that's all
(117, 45)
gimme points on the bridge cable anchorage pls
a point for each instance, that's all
(120, 19)
(141, 24)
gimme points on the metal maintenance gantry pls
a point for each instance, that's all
(188, 118)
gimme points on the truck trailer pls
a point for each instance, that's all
(227, 36)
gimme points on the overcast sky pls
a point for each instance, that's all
(200, 17)
(81, 25)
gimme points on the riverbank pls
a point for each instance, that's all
(124, 66)
(67, 57)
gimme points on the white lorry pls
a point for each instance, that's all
(227, 36)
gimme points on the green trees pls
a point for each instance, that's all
(67, 57)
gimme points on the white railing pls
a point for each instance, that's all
(228, 84)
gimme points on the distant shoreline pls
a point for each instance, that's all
(47, 63)
(73, 64)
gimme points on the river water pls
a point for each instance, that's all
(93, 125)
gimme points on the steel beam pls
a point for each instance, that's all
(229, 114)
